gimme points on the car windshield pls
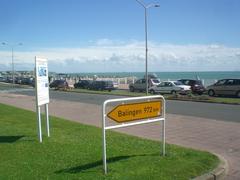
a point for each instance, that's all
(199, 82)
(156, 81)
(221, 82)
(109, 82)
(177, 83)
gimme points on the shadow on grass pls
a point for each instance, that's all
(10, 139)
(85, 167)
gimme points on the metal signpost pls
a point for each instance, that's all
(42, 93)
(148, 109)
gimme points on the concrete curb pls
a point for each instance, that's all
(217, 174)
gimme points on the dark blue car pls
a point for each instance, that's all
(102, 85)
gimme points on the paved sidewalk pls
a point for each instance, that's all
(215, 136)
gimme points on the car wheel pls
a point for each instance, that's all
(211, 92)
(173, 92)
(238, 94)
(131, 89)
(152, 91)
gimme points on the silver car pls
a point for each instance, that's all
(140, 84)
(170, 87)
(225, 87)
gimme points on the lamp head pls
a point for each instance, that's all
(152, 5)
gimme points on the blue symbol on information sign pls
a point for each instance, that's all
(42, 71)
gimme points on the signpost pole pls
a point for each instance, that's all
(39, 123)
(47, 119)
(163, 128)
(163, 138)
(104, 142)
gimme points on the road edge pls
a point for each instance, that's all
(218, 173)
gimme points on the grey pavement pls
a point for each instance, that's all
(199, 133)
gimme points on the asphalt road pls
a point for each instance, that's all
(221, 112)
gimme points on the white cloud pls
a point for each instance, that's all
(107, 55)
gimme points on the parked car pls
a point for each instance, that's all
(26, 81)
(140, 84)
(196, 85)
(115, 85)
(225, 87)
(18, 80)
(151, 76)
(170, 87)
(33, 83)
(9, 80)
(59, 84)
(102, 85)
(84, 84)
(3, 79)
(153, 82)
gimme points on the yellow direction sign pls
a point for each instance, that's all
(136, 111)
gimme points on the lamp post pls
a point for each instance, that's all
(12, 46)
(146, 37)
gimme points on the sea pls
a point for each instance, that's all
(208, 77)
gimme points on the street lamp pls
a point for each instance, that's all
(146, 37)
(12, 45)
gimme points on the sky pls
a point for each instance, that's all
(108, 35)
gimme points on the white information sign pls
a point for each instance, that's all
(42, 89)
(42, 92)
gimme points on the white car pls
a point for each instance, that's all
(115, 85)
(140, 84)
(170, 87)
(153, 82)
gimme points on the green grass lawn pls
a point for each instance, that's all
(225, 100)
(9, 86)
(74, 151)
(190, 97)
(113, 92)
(205, 98)
(5, 86)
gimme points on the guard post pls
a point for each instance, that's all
(146, 109)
